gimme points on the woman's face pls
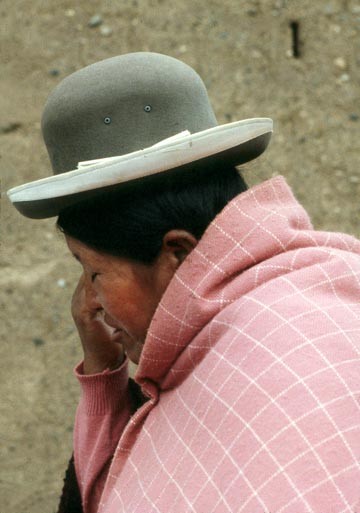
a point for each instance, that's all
(128, 292)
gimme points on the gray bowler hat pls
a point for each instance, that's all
(126, 118)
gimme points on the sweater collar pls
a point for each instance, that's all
(254, 226)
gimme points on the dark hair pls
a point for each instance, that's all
(131, 223)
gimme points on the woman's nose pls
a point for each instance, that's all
(92, 297)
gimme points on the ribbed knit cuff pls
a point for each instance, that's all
(104, 392)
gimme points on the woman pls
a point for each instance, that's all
(245, 322)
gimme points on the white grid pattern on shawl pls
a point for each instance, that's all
(192, 459)
(173, 447)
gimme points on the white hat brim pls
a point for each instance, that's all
(45, 197)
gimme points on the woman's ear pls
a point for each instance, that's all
(179, 243)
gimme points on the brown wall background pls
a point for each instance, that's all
(243, 51)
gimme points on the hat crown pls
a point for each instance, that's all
(120, 105)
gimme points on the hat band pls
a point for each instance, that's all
(113, 160)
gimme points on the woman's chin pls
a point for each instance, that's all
(133, 351)
(133, 359)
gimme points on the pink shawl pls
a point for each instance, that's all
(252, 366)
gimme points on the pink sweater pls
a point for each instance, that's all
(252, 367)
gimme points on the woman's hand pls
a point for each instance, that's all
(101, 352)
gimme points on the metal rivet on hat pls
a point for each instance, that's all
(147, 108)
(107, 121)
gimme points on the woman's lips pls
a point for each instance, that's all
(117, 331)
(118, 335)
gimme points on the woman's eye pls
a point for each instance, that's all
(93, 276)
